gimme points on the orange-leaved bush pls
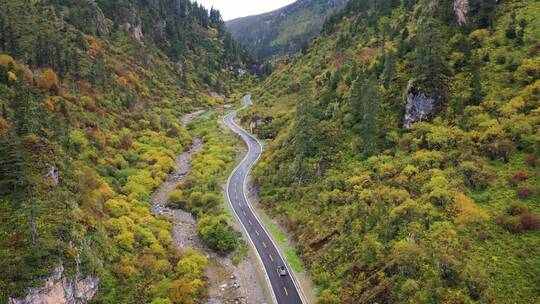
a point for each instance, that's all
(48, 81)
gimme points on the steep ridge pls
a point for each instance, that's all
(283, 31)
(91, 95)
(403, 152)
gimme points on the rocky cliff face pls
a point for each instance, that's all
(461, 9)
(59, 289)
(99, 18)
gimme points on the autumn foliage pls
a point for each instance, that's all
(48, 80)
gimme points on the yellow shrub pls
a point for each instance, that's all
(48, 80)
(479, 36)
(121, 81)
(134, 79)
(458, 58)
(176, 197)
(125, 240)
(192, 265)
(117, 207)
(514, 106)
(6, 60)
(4, 125)
(182, 292)
(532, 93)
(467, 211)
(140, 185)
(117, 225)
(51, 105)
(528, 71)
(93, 190)
(425, 159)
(28, 74)
(124, 268)
(11, 76)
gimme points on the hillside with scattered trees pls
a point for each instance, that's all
(91, 95)
(403, 152)
(284, 31)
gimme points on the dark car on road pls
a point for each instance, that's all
(282, 271)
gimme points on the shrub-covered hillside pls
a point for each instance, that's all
(91, 93)
(404, 152)
(286, 30)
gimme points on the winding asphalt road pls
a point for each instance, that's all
(285, 289)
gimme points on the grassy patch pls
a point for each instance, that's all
(207, 115)
(278, 235)
(294, 260)
(241, 253)
(283, 242)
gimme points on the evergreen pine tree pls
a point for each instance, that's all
(520, 35)
(2, 33)
(476, 82)
(12, 46)
(12, 167)
(26, 110)
(389, 68)
(364, 107)
(511, 28)
(306, 136)
(430, 67)
(482, 12)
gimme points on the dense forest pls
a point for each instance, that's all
(403, 153)
(91, 93)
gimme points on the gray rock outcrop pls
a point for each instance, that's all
(59, 289)
(461, 9)
(99, 18)
(419, 107)
(54, 174)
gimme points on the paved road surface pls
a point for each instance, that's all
(284, 288)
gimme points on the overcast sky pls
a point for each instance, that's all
(231, 9)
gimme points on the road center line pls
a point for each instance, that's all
(236, 182)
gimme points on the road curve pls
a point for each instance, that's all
(285, 290)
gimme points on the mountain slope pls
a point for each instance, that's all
(91, 93)
(404, 152)
(283, 31)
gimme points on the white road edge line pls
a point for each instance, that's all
(291, 273)
(273, 294)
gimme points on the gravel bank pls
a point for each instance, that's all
(227, 283)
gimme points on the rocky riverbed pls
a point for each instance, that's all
(227, 283)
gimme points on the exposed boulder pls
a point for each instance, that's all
(59, 289)
(53, 173)
(134, 30)
(419, 107)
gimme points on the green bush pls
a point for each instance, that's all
(177, 199)
(217, 234)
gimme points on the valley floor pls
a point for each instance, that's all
(227, 283)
